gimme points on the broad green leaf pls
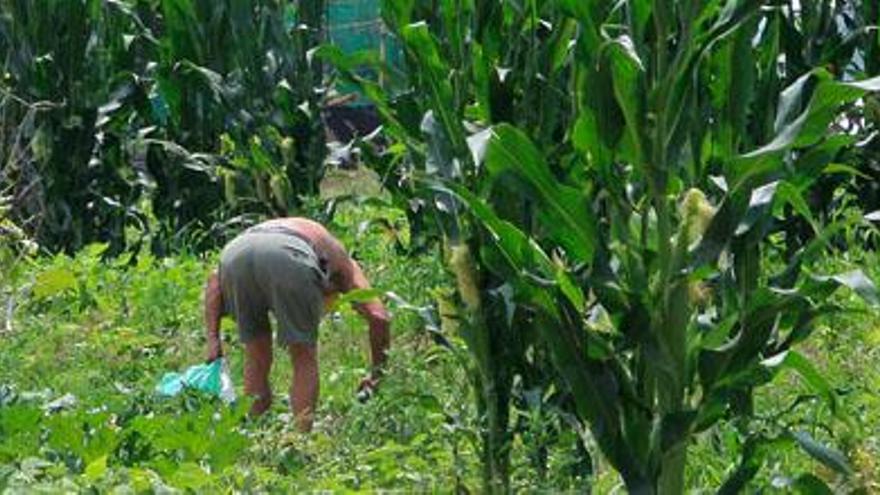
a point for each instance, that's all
(789, 194)
(561, 46)
(628, 71)
(209, 78)
(180, 18)
(590, 14)
(95, 250)
(720, 230)
(586, 139)
(53, 282)
(803, 367)
(735, 363)
(759, 204)
(810, 252)
(435, 75)
(840, 168)
(594, 389)
(96, 469)
(809, 484)
(742, 209)
(809, 127)
(440, 159)
(564, 210)
(191, 476)
(791, 102)
(521, 253)
(733, 86)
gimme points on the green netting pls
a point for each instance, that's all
(356, 25)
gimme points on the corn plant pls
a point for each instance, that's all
(51, 62)
(613, 181)
(235, 105)
(151, 109)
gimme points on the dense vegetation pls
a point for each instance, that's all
(637, 231)
(105, 331)
(175, 116)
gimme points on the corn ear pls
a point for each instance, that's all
(462, 265)
(696, 212)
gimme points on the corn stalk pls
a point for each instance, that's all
(166, 116)
(633, 163)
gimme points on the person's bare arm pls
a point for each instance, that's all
(349, 276)
(213, 313)
(377, 318)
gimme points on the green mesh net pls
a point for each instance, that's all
(356, 25)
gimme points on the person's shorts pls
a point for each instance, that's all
(271, 269)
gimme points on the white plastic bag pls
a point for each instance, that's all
(227, 391)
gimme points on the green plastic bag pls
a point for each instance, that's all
(212, 378)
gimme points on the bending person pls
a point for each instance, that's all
(294, 268)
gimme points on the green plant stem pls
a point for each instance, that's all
(671, 313)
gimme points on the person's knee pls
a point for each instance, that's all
(304, 358)
(303, 353)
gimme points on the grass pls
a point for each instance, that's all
(105, 331)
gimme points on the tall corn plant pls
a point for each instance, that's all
(64, 59)
(152, 109)
(632, 164)
(235, 89)
(238, 74)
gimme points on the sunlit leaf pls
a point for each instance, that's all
(53, 282)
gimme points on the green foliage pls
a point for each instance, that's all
(634, 164)
(105, 330)
(637, 201)
(110, 336)
(166, 117)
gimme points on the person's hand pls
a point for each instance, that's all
(214, 351)
(367, 388)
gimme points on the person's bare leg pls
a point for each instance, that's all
(304, 389)
(257, 364)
